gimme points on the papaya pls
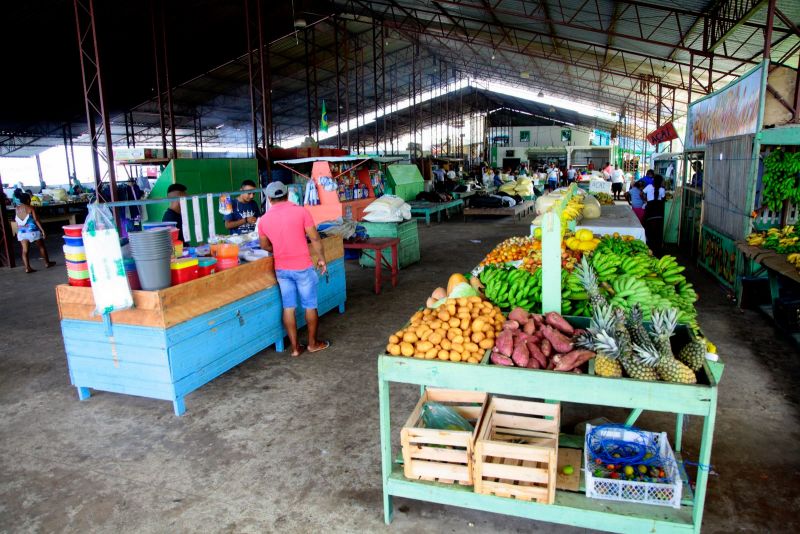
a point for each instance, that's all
(455, 279)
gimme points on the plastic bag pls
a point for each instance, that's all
(104, 256)
(440, 417)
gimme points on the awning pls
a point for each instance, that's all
(331, 159)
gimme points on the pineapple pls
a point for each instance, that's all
(635, 365)
(669, 369)
(635, 325)
(588, 279)
(606, 363)
(584, 340)
(693, 354)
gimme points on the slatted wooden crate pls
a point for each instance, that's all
(516, 450)
(442, 455)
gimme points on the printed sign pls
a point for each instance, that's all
(662, 135)
(600, 186)
(729, 112)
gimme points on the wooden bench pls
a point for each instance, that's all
(423, 210)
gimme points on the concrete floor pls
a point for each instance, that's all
(291, 445)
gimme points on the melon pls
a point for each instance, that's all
(455, 279)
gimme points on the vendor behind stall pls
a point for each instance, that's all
(283, 231)
(173, 213)
(244, 211)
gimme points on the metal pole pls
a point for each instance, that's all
(314, 62)
(7, 251)
(347, 83)
(170, 109)
(157, 64)
(308, 82)
(250, 76)
(266, 96)
(338, 84)
(375, 80)
(383, 83)
(66, 154)
(200, 132)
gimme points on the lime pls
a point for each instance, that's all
(629, 470)
(643, 469)
(568, 470)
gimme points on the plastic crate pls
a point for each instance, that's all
(657, 493)
(443, 456)
(516, 452)
(407, 250)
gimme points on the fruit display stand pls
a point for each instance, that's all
(177, 339)
(618, 219)
(568, 507)
(522, 209)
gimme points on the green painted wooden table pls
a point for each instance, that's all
(570, 508)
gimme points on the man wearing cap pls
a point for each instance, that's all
(173, 213)
(283, 231)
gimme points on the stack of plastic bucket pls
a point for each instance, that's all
(75, 256)
(152, 251)
(130, 272)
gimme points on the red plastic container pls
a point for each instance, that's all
(206, 266)
(227, 263)
(133, 280)
(77, 265)
(80, 283)
(183, 270)
(174, 233)
(73, 230)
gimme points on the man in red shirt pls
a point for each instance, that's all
(283, 231)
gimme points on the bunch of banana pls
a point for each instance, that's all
(573, 210)
(794, 259)
(627, 290)
(624, 245)
(605, 264)
(638, 265)
(756, 239)
(669, 270)
(510, 288)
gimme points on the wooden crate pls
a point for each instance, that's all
(442, 455)
(516, 450)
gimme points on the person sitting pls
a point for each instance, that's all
(244, 211)
(173, 213)
(30, 230)
(496, 179)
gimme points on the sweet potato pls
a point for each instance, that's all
(511, 325)
(535, 353)
(577, 371)
(520, 356)
(547, 348)
(538, 320)
(498, 359)
(536, 338)
(578, 332)
(529, 327)
(519, 315)
(556, 321)
(533, 363)
(557, 339)
(550, 365)
(573, 359)
(505, 343)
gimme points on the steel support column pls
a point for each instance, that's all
(6, 239)
(258, 72)
(93, 92)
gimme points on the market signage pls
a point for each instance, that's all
(728, 112)
(662, 135)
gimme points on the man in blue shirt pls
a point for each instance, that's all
(245, 211)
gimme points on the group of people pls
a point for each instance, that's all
(646, 198)
(286, 230)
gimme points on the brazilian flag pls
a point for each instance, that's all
(323, 120)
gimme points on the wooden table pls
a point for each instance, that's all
(377, 244)
(522, 209)
(421, 209)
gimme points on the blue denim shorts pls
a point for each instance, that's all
(302, 283)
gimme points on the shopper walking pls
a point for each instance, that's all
(30, 230)
(283, 231)
(571, 175)
(654, 214)
(552, 177)
(617, 180)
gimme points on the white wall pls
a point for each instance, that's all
(548, 136)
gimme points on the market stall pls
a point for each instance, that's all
(499, 332)
(619, 219)
(204, 310)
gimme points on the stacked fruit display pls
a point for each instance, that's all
(528, 250)
(781, 180)
(783, 241)
(583, 241)
(460, 330)
(624, 344)
(512, 249)
(539, 342)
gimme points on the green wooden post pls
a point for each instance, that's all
(551, 262)
(705, 463)
(678, 432)
(631, 420)
(384, 405)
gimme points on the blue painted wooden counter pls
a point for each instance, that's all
(168, 363)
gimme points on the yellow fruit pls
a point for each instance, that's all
(393, 349)
(406, 349)
(454, 280)
(584, 234)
